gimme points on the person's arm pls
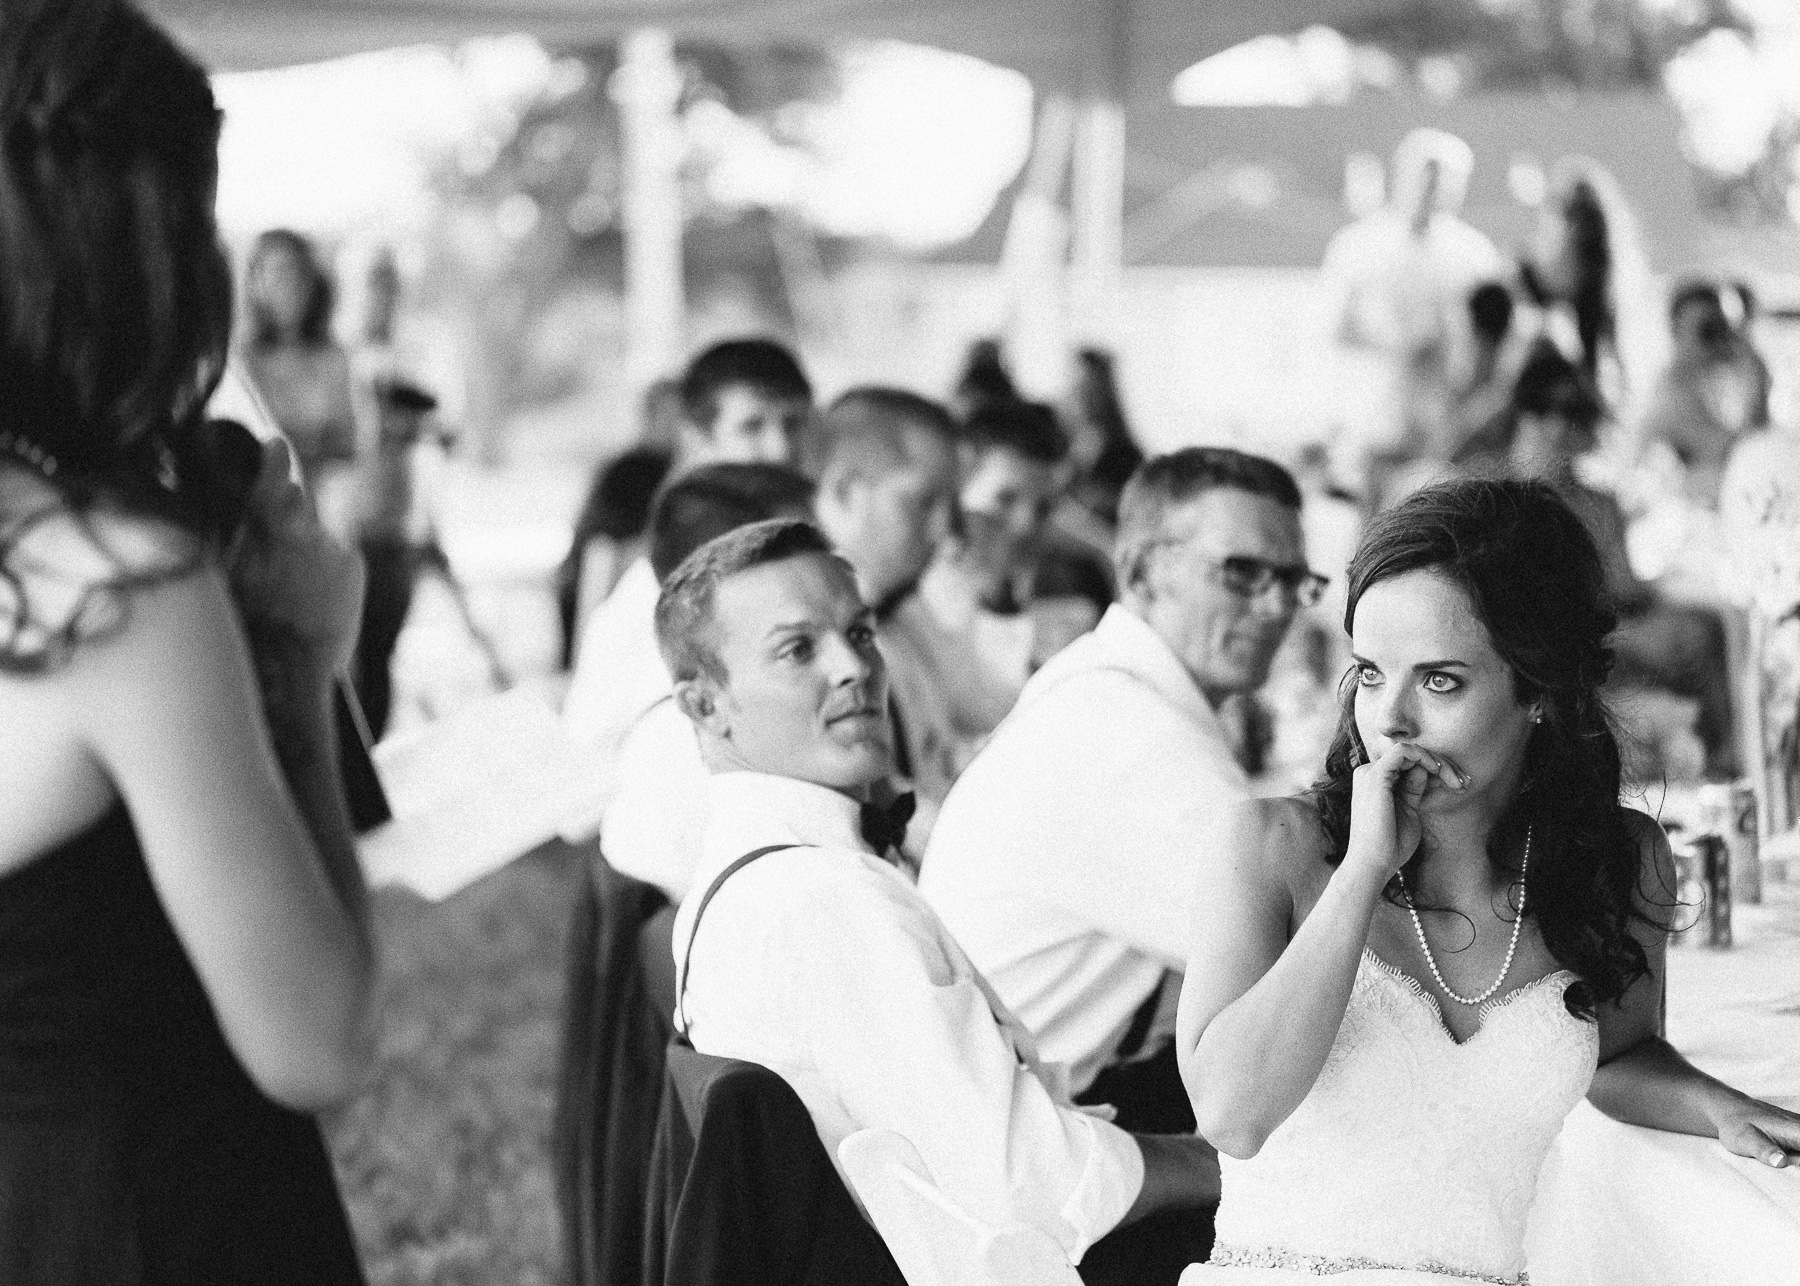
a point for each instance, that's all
(169, 708)
(298, 595)
(1260, 1011)
(1181, 1171)
(1642, 1080)
(906, 1043)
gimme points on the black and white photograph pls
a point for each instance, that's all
(899, 642)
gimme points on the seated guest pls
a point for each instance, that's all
(887, 500)
(1658, 644)
(970, 615)
(820, 961)
(742, 401)
(1702, 402)
(1063, 859)
(887, 485)
(614, 520)
(652, 823)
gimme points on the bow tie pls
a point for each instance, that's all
(884, 825)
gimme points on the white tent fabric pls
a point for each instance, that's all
(1116, 48)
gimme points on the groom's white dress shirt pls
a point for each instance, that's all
(824, 964)
(1064, 858)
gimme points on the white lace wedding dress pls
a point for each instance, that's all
(1414, 1158)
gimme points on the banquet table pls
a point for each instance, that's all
(1619, 1205)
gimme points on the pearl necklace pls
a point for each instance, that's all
(1511, 947)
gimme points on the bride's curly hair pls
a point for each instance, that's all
(1534, 578)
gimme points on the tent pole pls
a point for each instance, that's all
(646, 88)
(1097, 175)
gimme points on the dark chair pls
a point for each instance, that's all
(741, 1191)
(615, 1029)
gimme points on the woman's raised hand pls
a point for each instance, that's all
(1384, 804)
(290, 577)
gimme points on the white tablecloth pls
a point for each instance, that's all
(1623, 1206)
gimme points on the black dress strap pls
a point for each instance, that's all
(687, 955)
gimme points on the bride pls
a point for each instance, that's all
(1402, 982)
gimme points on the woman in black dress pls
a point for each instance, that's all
(184, 963)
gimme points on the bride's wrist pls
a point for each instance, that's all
(1365, 865)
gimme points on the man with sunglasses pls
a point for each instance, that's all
(1065, 854)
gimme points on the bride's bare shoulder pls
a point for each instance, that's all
(1281, 836)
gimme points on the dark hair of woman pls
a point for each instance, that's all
(1534, 578)
(264, 326)
(617, 508)
(1097, 395)
(1589, 290)
(117, 313)
(984, 381)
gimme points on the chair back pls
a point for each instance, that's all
(616, 1026)
(743, 1192)
(933, 1239)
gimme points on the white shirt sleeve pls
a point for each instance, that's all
(901, 1030)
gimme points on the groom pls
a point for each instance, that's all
(819, 959)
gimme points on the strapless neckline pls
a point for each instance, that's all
(1406, 982)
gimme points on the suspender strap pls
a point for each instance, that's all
(687, 956)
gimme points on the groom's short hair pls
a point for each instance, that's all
(684, 609)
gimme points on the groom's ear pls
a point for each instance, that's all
(700, 699)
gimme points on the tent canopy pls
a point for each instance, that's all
(1117, 48)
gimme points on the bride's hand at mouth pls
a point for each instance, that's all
(1384, 804)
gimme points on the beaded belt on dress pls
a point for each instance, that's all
(1225, 1255)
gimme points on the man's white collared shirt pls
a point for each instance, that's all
(619, 671)
(655, 825)
(1064, 857)
(823, 964)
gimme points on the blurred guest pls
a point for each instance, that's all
(395, 532)
(609, 531)
(1478, 418)
(811, 955)
(887, 500)
(301, 373)
(744, 401)
(1741, 308)
(1671, 647)
(1704, 400)
(1398, 279)
(373, 355)
(1102, 449)
(1063, 857)
(971, 611)
(984, 381)
(1586, 274)
(1069, 595)
(184, 956)
(651, 826)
